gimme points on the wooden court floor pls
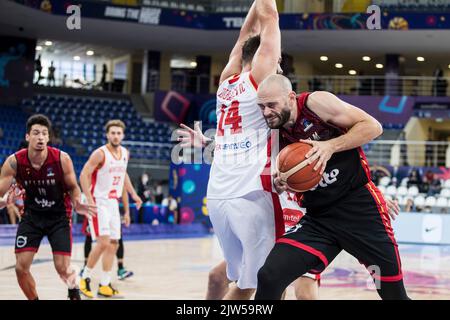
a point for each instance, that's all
(178, 269)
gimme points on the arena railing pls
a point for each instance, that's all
(418, 6)
(374, 85)
(408, 153)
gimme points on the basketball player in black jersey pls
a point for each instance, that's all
(346, 211)
(51, 191)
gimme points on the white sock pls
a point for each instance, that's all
(106, 278)
(86, 273)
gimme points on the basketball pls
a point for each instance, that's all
(294, 168)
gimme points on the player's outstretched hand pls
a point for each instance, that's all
(88, 210)
(322, 150)
(191, 138)
(138, 201)
(393, 208)
(280, 185)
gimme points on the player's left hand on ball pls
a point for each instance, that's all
(279, 184)
(322, 150)
(138, 201)
(88, 210)
(393, 208)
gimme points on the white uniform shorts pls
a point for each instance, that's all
(245, 228)
(107, 222)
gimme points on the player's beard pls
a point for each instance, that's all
(282, 118)
(114, 145)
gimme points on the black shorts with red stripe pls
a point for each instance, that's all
(35, 226)
(358, 224)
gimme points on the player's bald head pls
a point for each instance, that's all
(276, 82)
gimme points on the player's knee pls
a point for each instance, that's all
(267, 276)
(216, 278)
(62, 269)
(22, 271)
(306, 294)
(103, 244)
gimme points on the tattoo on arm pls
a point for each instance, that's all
(13, 163)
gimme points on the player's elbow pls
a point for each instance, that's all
(268, 16)
(377, 128)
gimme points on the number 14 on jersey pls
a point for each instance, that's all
(229, 116)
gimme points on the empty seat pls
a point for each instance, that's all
(402, 191)
(445, 193)
(419, 201)
(442, 202)
(430, 201)
(385, 181)
(413, 191)
(391, 190)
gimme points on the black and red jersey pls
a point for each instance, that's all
(345, 171)
(45, 189)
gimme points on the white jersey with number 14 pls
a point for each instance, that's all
(242, 141)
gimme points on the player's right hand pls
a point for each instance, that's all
(15, 193)
(189, 138)
(89, 210)
(280, 185)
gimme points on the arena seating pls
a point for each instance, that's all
(438, 203)
(79, 123)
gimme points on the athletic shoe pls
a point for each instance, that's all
(85, 288)
(122, 274)
(74, 294)
(107, 291)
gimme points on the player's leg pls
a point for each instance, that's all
(307, 247)
(219, 213)
(28, 239)
(68, 275)
(87, 248)
(252, 220)
(218, 283)
(105, 287)
(365, 232)
(25, 279)
(306, 288)
(99, 248)
(122, 273)
(13, 213)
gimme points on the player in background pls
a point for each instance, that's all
(50, 190)
(122, 273)
(103, 179)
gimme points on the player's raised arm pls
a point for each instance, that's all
(70, 181)
(266, 60)
(249, 28)
(95, 161)
(362, 127)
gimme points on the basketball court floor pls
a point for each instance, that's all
(178, 269)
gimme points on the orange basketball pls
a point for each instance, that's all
(294, 169)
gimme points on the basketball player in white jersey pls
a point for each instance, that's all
(103, 180)
(241, 203)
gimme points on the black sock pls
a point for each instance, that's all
(121, 265)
